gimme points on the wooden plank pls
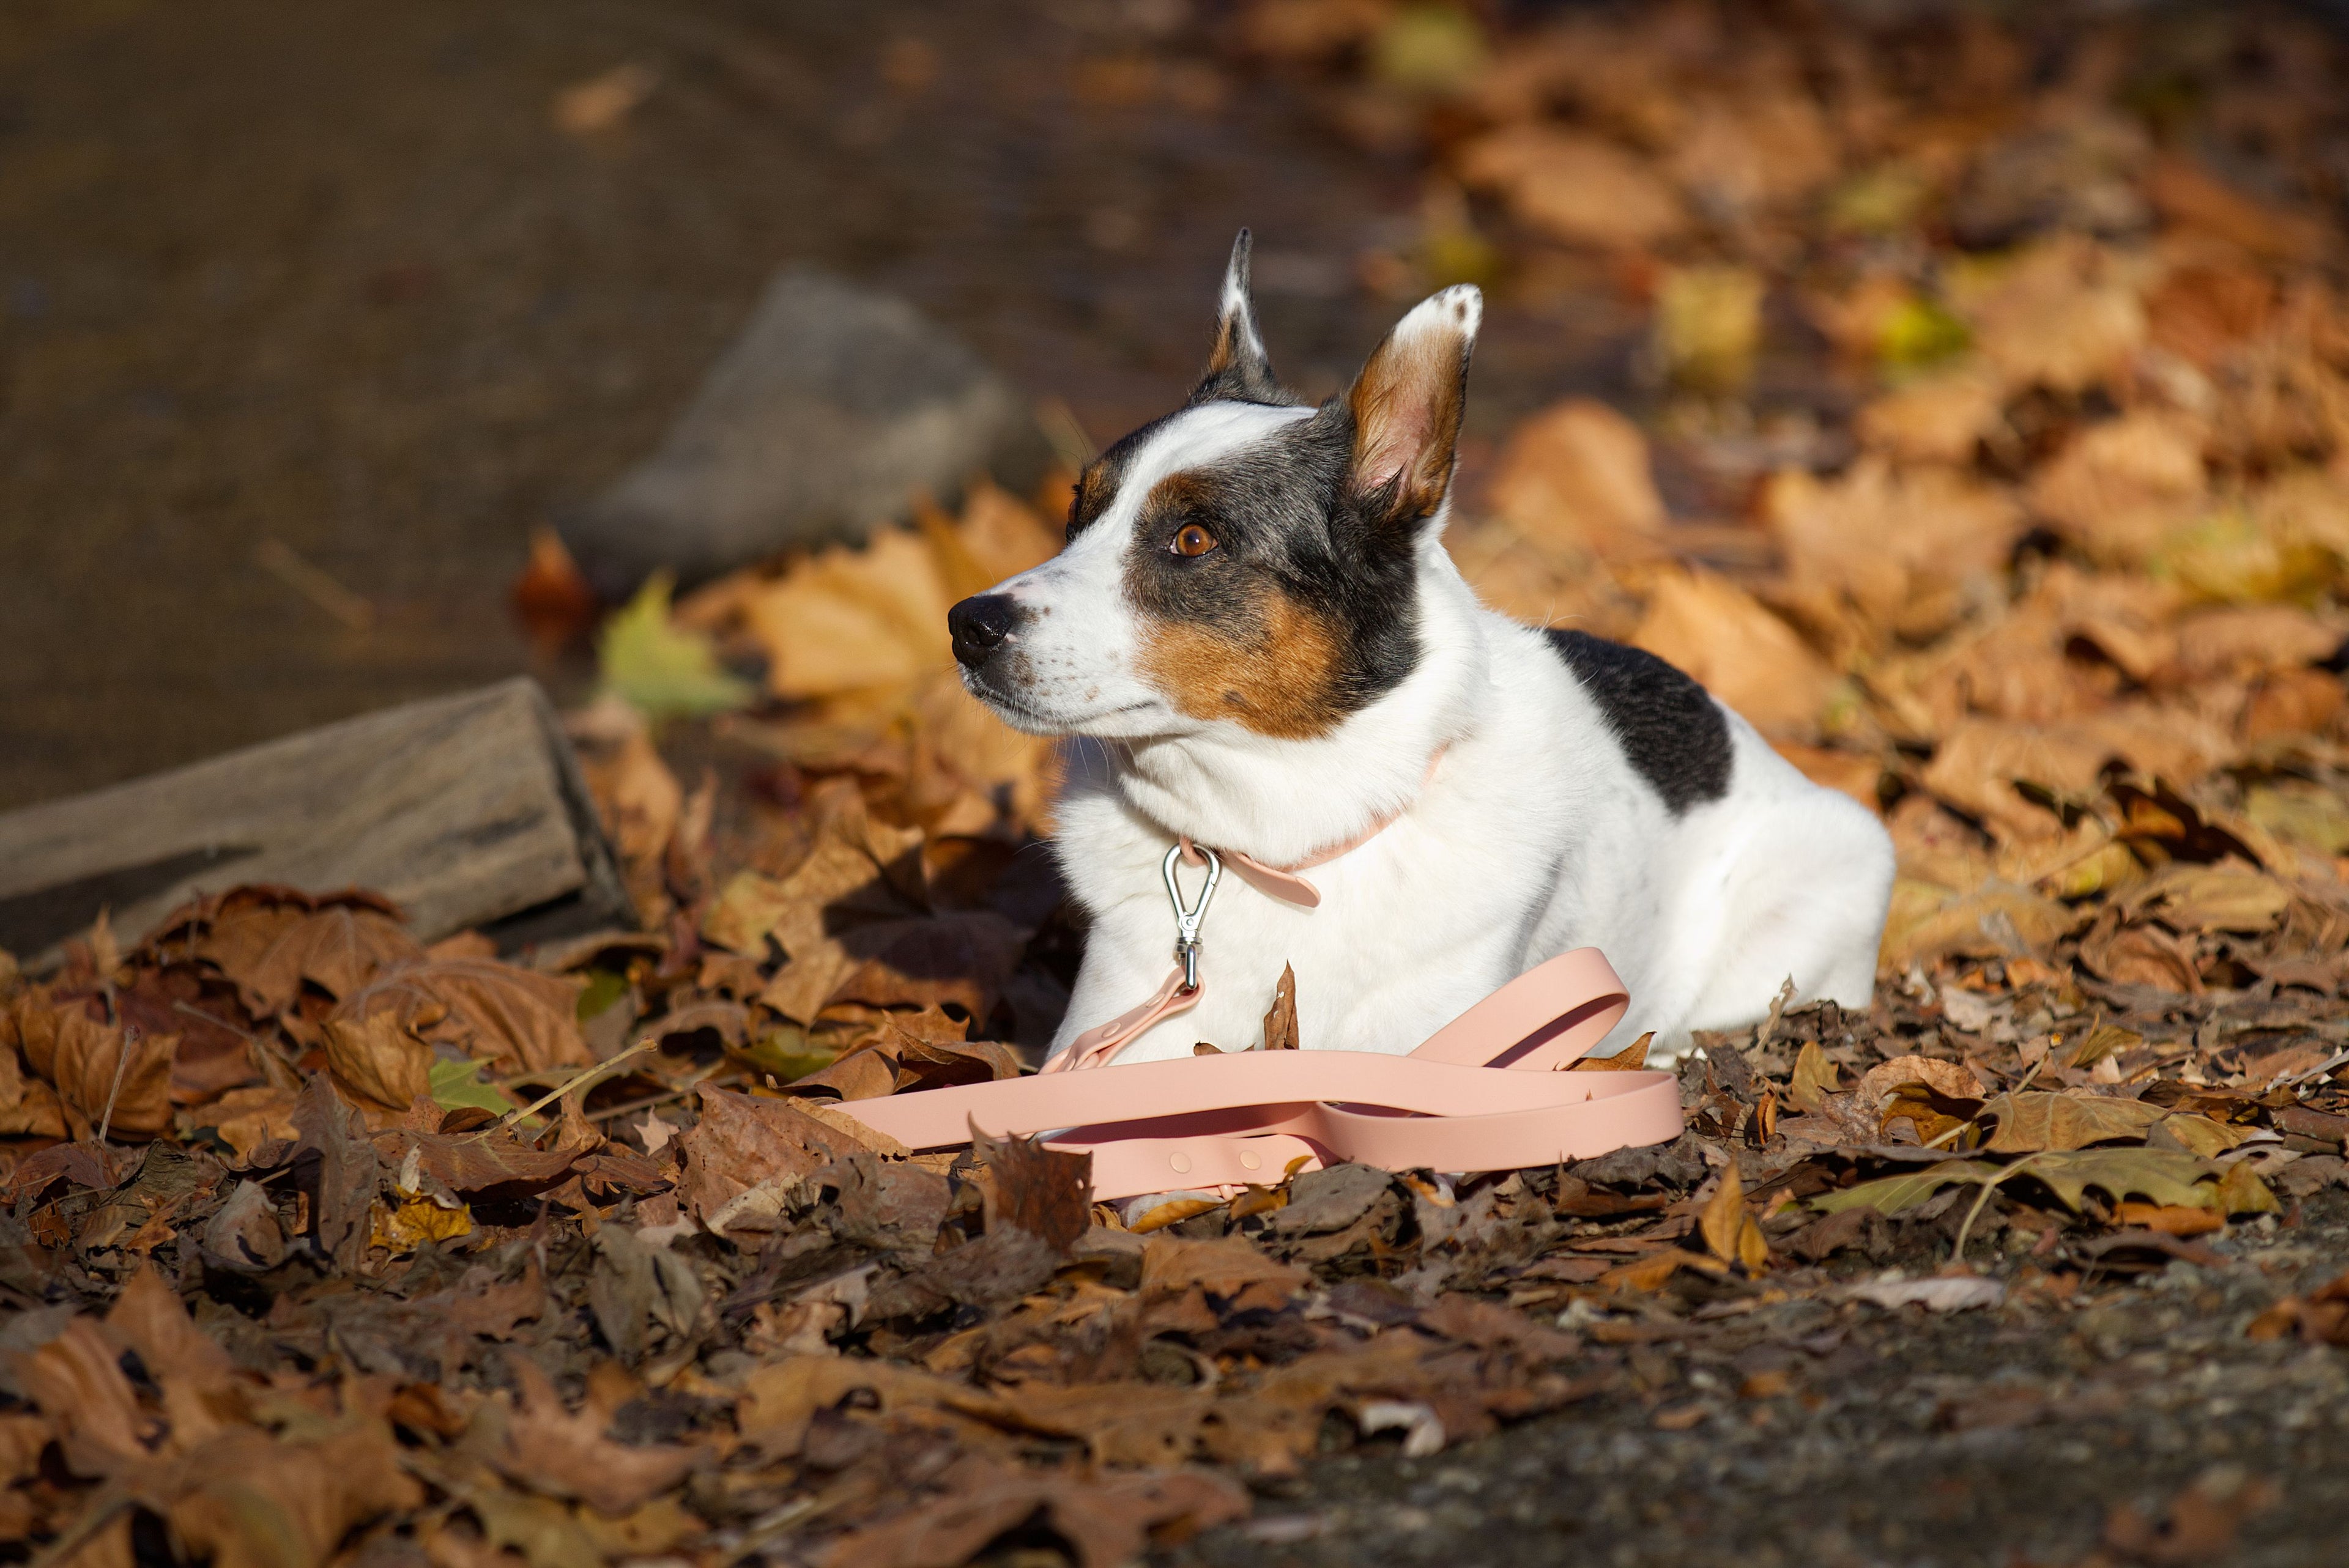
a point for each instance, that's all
(467, 810)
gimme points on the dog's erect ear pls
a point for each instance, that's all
(1240, 367)
(1406, 407)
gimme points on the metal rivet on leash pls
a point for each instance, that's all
(1186, 921)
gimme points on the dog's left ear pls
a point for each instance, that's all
(1406, 407)
(1240, 367)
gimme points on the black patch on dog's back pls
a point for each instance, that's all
(1670, 727)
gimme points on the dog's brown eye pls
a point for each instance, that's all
(1193, 539)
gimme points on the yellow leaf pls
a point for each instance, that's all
(2240, 1192)
(417, 1222)
(2030, 1122)
(1815, 1078)
(661, 668)
(1631, 1058)
(1709, 324)
(1173, 1211)
(1753, 1247)
(2200, 1135)
(1725, 1215)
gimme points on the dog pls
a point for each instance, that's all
(1258, 645)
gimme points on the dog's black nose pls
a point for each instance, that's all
(978, 625)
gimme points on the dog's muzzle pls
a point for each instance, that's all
(978, 625)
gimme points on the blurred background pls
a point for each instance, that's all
(310, 316)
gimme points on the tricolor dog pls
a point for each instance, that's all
(1259, 642)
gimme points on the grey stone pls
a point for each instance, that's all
(834, 407)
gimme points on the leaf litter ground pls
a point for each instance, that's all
(323, 1244)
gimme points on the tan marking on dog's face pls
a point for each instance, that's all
(1280, 682)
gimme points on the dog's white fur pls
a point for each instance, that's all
(1533, 835)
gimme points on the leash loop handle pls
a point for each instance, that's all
(1187, 919)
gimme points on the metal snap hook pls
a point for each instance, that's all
(1186, 921)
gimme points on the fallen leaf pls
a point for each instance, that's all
(1815, 1078)
(1280, 1023)
(742, 1141)
(377, 1059)
(516, 1019)
(336, 1169)
(1573, 187)
(106, 1072)
(1708, 326)
(1106, 1522)
(566, 1454)
(1750, 659)
(1578, 473)
(2038, 1120)
(2119, 490)
(661, 668)
(1952, 1080)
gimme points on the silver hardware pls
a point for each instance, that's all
(1186, 921)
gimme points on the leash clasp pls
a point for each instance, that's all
(1186, 921)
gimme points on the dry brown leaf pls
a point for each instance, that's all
(377, 1059)
(1574, 187)
(1578, 473)
(1953, 1079)
(2229, 896)
(1937, 419)
(2292, 703)
(1739, 155)
(2141, 955)
(516, 1019)
(780, 1400)
(566, 1454)
(1046, 1192)
(1994, 919)
(94, 1065)
(1107, 1521)
(246, 1500)
(638, 798)
(1750, 659)
(846, 620)
(1280, 1022)
(1149, 1427)
(2035, 1120)
(1978, 762)
(28, 1107)
(2048, 317)
(1815, 1079)
(270, 951)
(245, 1119)
(2121, 489)
(2189, 196)
(2240, 641)
(76, 1379)
(1631, 1058)
(1885, 538)
(1725, 1218)
(742, 1141)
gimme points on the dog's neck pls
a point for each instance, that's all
(1284, 800)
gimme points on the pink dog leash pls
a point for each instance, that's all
(1481, 1094)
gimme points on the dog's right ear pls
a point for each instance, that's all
(1240, 367)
